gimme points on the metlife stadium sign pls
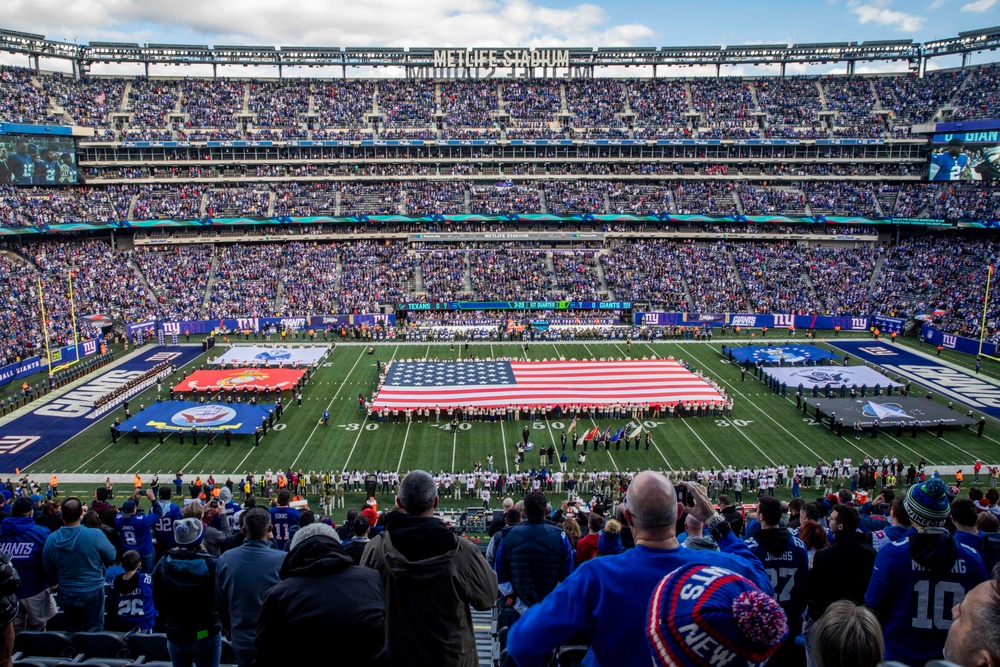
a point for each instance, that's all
(445, 58)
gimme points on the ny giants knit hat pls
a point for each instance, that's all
(188, 532)
(702, 615)
(928, 504)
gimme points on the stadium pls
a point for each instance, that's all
(515, 268)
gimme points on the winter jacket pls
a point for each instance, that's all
(23, 540)
(9, 581)
(430, 577)
(323, 600)
(840, 572)
(184, 593)
(586, 547)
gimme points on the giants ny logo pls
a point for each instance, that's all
(12, 444)
(89, 347)
(949, 341)
(172, 328)
(859, 323)
(784, 320)
(247, 323)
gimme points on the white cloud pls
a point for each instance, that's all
(878, 12)
(328, 22)
(937, 4)
(979, 6)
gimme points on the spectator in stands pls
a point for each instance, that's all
(325, 600)
(695, 604)
(355, 546)
(607, 597)
(533, 557)
(23, 540)
(911, 574)
(512, 517)
(163, 529)
(732, 514)
(244, 576)
(132, 595)
(184, 593)
(847, 635)
(430, 576)
(972, 638)
(283, 518)
(136, 529)
(74, 558)
(963, 519)
(586, 547)
(9, 581)
(786, 562)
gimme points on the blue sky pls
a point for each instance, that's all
(497, 22)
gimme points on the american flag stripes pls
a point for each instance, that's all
(417, 384)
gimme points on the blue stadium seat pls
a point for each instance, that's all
(100, 645)
(43, 644)
(150, 647)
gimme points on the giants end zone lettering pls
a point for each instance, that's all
(744, 321)
(162, 356)
(12, 444)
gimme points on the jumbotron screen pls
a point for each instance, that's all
(27, 159)
(960, 161)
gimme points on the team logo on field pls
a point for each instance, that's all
(12, 444)
(244, 377)
(885, 411)
(274, 355)
(822, 377)
(204, 416)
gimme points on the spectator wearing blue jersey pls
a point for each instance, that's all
(163, 529)
(21, 165)
(963, 519)
(949, 165)
(919, 578)
(23, 540)
(132, 593)
(607, 598)
(136, 530)
(786, 562)
(283, 518)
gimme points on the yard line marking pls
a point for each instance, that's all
(360, 431)
(454, 446)
(503, 439)
(695, 434)
(399, 466)
(332, 399)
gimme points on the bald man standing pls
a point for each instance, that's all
(608, 597)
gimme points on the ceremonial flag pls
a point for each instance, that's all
(618, 435)
(593, 433)
(499, 383)
(572, 426)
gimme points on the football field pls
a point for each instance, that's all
(764, 428)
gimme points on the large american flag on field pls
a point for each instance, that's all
(418, 384)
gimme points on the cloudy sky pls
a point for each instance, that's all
(496, 22)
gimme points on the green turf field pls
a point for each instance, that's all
(764, 428)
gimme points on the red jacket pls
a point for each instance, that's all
(586, 547)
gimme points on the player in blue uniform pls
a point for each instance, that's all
(46, 168)
(133, 595)
(786, 562)
(283, 518)
(950, 165)
(21, 165)
(918, 579)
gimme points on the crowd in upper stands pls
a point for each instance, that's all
(711, 108)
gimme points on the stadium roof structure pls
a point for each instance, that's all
(426, 61)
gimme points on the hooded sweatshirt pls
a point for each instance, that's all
(430, 577)
(323, 600)
(916, 582)
(75, 558)
(23, 540)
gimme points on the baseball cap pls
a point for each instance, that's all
(128, 508)
(704, 615)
